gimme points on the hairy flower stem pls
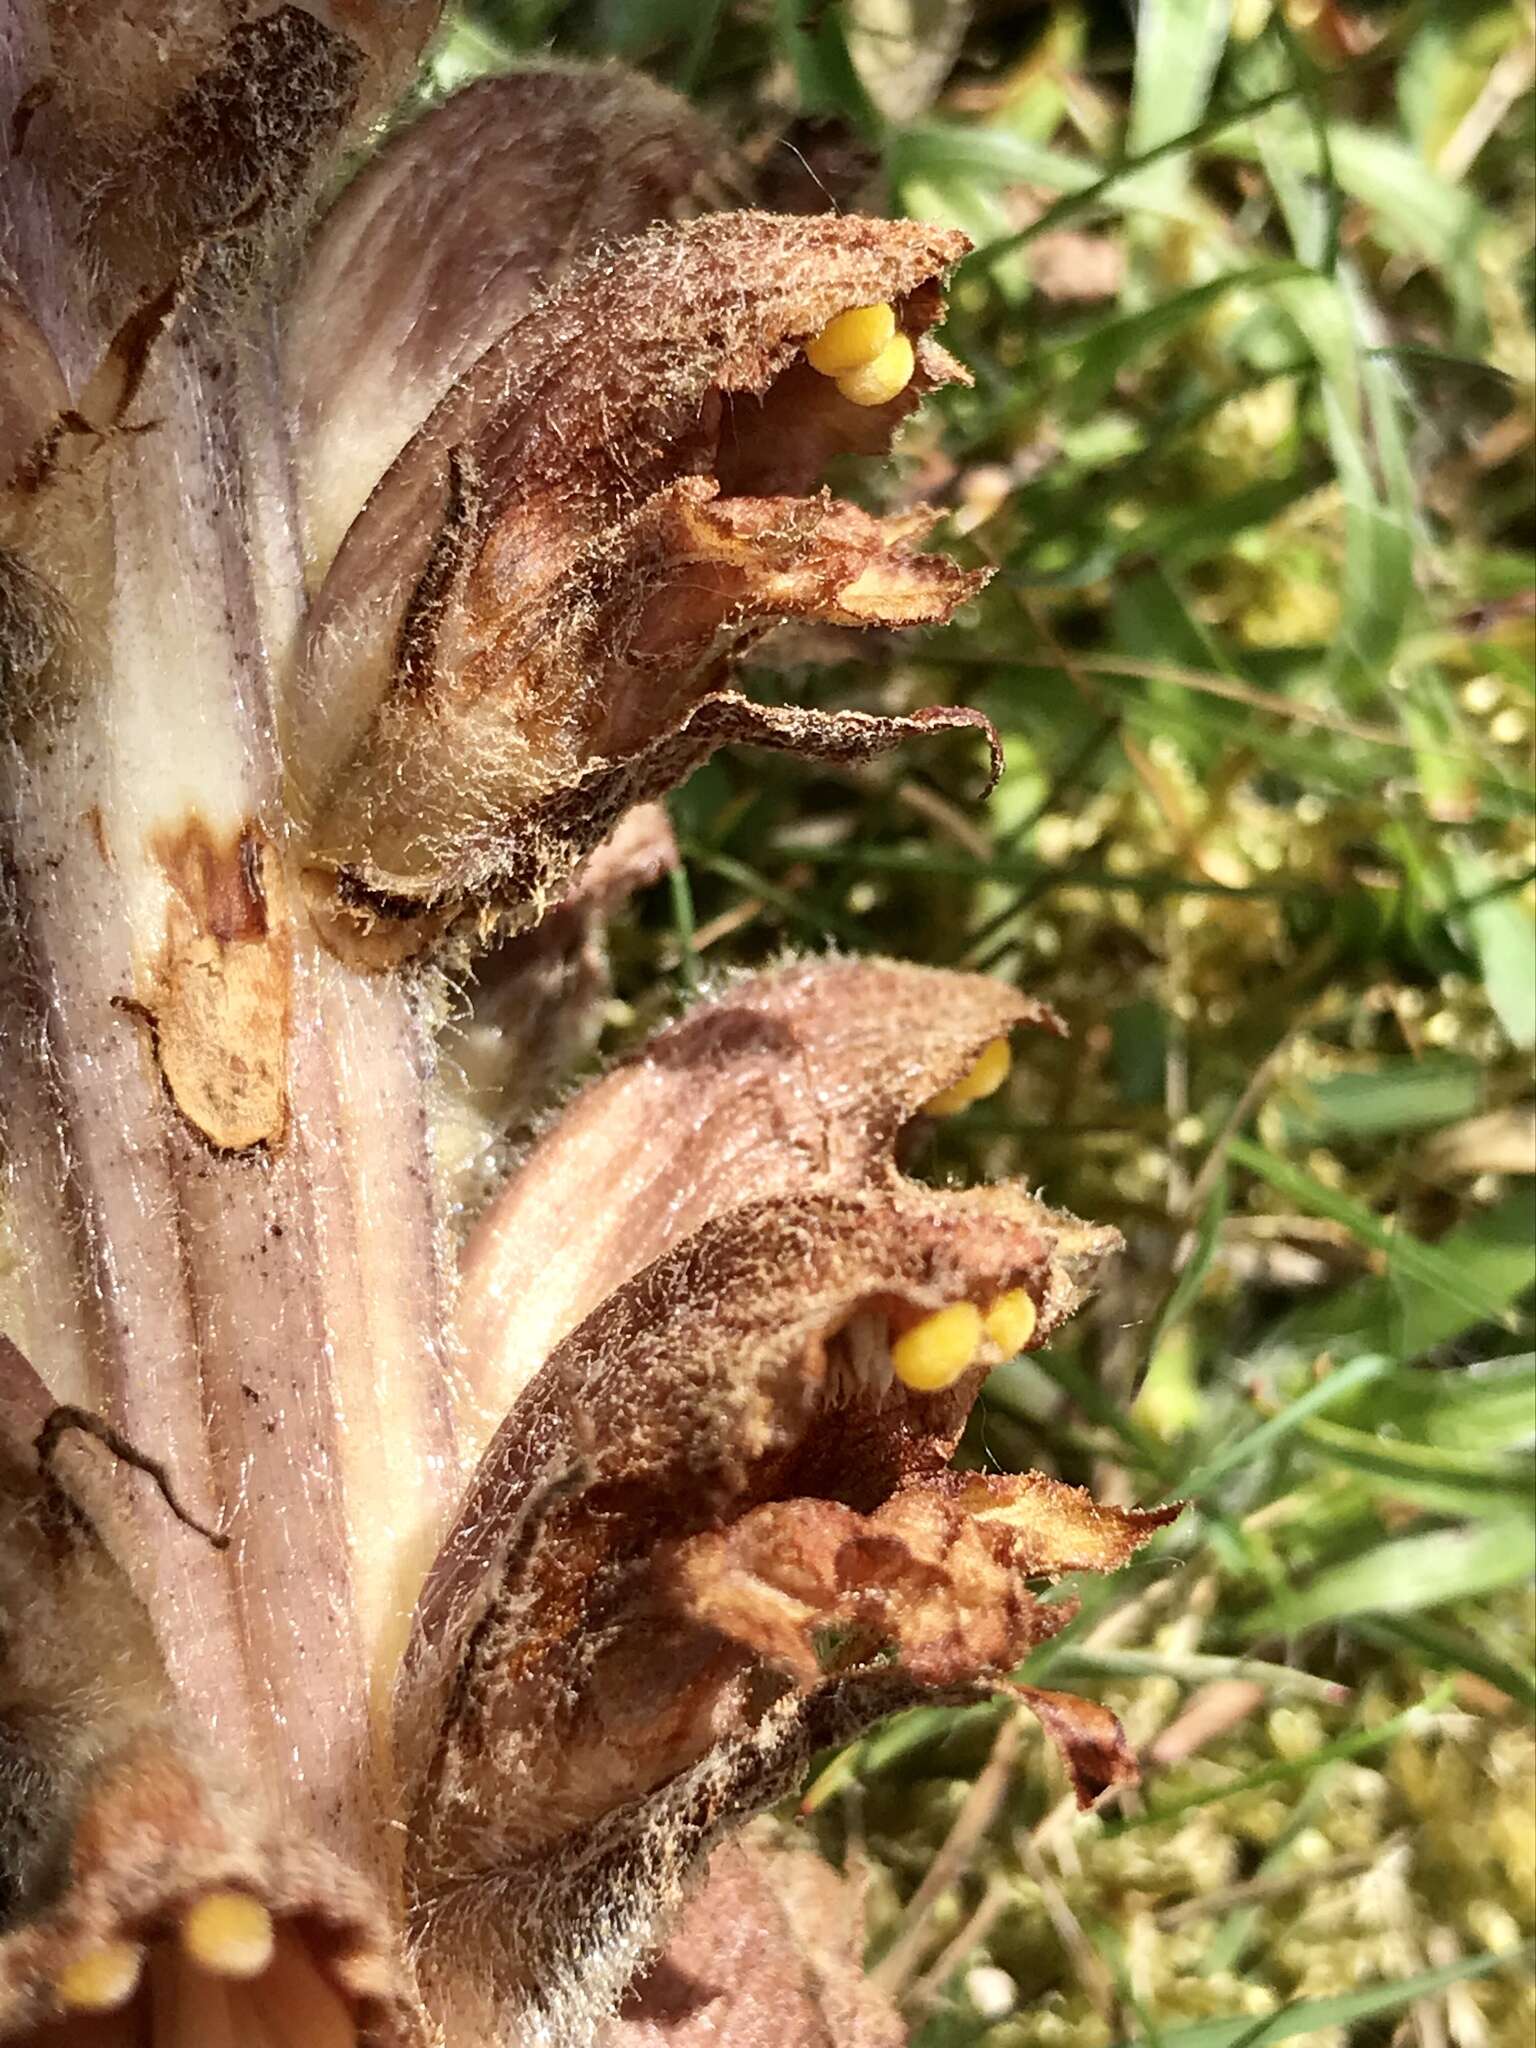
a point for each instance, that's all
(236, 1247)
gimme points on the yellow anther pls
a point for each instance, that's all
(228, 1933)
(1010, 1321)
(103, 1978)
(851, 340)
(985, 1078)
(935, 1352)
(890, 372)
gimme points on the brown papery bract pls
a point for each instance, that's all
(716, 1474)
(717, 1464)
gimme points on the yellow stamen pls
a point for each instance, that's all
(935, 1352)
(890, 372)
(229, 1933)
(851, 340)
(1010, 1321)
(103, 1978)
(985, 1078)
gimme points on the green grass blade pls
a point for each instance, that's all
(1178, 47)
(1409, 1255)
(1385, 1100)
(816, 916)
(684, 924)
(1463, 1482)
(813, 40)
(1317, 2014)
(1501, 930)
(1407, 1316)
(1255, 1443)
(990, 157)
(1074, 205)
(1407, 1574)
(1191, 1280)
(1447, 1649)
(1195, 1668)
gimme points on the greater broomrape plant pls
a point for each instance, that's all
(385, 1648)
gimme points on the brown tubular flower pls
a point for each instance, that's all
(719, 1520)
(524, 630)
(346, 599)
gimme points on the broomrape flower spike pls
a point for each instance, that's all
(382, 1660)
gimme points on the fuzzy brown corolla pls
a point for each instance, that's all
(524, 631)
(372, 540)
(711, 1472)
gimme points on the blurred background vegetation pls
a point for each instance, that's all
(1250, 448)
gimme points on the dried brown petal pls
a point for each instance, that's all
(1091, 1740)
(795, 1079)
(218, 998)
(525, 628)
(926, 1574)
(917, 1577)
(439, 245)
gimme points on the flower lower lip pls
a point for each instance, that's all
(227, 1973)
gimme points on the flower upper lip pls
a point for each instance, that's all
(792, 1080)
